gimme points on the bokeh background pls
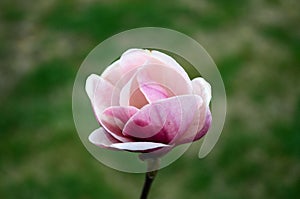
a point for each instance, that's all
(256, 46)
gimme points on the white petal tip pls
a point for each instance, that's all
(138, 146)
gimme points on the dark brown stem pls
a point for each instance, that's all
(150, 175)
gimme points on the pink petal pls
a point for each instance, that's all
(138, 146)
(114, 118)
(131, 94)
(112, 73)
(153, 91)
(156, 83)
(101, 138)
(133, 58)
(203, 122)
(126, 91)
(169, 61)
(147, 122)
(203, 116)
(160, 82)
(163, 120)
(202, 88)
(101, 93)
(202, 131)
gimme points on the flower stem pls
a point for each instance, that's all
(150, 175)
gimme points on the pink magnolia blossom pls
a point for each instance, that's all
(145, 102)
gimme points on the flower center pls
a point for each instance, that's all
(137, 99)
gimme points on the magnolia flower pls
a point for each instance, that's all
(145, 102)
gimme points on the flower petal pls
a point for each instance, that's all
(153, 91)
(169, 61)
(101, 93)
(155, 75)
(163, 120)
(126, 91)
(202, 88)
(202, 131)
(160, 82)
(133, 58)
(114, 118)
(102, 138)
(203, 121)
(112, 73)
(138, 146)
(131, 95)
(203, 116)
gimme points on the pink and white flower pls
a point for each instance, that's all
(145, 102)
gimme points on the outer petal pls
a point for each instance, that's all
(133, 58)
(138, 146)
(120, 71)
(203, 117)
(163, 120)
(202, 131)
(112, 73)
(114, 118)
(169, 61)
(202, 88)
(203, 121)
(102, 138)
(101, 93)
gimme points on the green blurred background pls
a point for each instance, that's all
(256, 45)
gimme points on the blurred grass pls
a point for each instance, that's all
(256, 45)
